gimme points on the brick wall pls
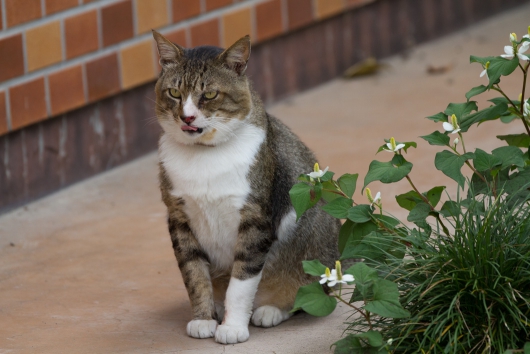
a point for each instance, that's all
(59, 55)
(70, 116)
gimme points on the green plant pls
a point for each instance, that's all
(460, 270)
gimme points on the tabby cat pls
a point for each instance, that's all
(226, 168)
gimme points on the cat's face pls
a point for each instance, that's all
(202, 94)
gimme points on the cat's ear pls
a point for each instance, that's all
(237, 55)
(169, 53)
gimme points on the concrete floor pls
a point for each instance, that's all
(90, 269)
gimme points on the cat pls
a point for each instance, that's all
(226, 168)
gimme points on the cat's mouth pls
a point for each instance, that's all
(190, 129)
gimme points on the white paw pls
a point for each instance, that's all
(268, 316)
(201, 328)
(226, 334)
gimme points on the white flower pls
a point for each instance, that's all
(526, 109)
(330, 277)
(392, 147)
(485, 71)
(451, 125)
(456, 141)
(317, 173)
(389, 342)
(335, 276)
(372, 199)
(510, 52)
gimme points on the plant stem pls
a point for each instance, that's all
(498, 89)
(355, 308)
(462, 140)
(525, 71)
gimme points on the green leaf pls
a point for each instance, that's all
(419, 213)
(437, 138)
(358, 232)
(347, 183)
(338, 208)
(483, 115)
(450, 208)
(484, 161)
(328, 189)
(300, 198)
(313, 300)
(481, 60)
(519, 140)
(386, 172)
(502, 99)
(372, 246)
(327, 176)
(386, 300)
(434, 194)
(476, 91)
(508, 117)
(314, 267)
(450, 164)
(501, 67)
(509, 155)
(408, 200)
(360, 213)
(526, 348)
(348, 345)
(461, 109)
(374, 338)
(346, 230)
(389, 221)
(364, 277)
(438, 117)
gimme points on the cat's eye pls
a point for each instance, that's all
(210, 95)
(175, 93)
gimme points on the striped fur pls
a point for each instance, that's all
(225, 176)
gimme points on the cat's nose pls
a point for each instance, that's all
(187, 119)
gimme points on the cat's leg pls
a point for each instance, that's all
(252, 246)
(193, 264)
(269, 316)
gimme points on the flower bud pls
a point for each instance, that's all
(369, 195)
(454, 121)
(393, 143)
(339, 270)
(513, 37)
(316, 168)
(456, 141)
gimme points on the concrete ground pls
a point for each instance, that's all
(90, 269)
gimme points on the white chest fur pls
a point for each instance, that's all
(213, 183)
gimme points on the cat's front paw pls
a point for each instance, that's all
(269, 316)
(226, 334)
(201, 328)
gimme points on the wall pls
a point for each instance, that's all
(76, 95)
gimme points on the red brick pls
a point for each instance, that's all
(177, 37)
(3, 113)
(206, 33)
(27, 103)
(53, 6)
(20, 11)
(11, 57)
(102, 77)
(215, 4)
(299, 12)
(117, 22)
(66, 90)
(81, 34)
(184, 9)
(269, 19)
